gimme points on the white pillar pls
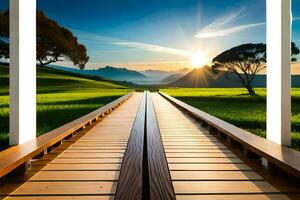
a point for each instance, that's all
(22, 71)
(279, 71)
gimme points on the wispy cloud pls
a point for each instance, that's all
(225, 20)
(133, 45)
(223, 26)
(226, 31)
(154, 48)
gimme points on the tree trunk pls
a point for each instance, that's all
(250, 90)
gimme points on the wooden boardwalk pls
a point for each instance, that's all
(149, 149)
(89, 168)
(201, 166)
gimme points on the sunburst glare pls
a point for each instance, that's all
(198, 59)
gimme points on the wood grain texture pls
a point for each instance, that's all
(86, 197)
(131, 174)
(66, 188)
(214, 175)
(234, 197)
(160, 183)
(223, 187)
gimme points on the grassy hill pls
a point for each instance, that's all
(235, 106)
(62, 97)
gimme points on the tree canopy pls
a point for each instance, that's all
(4, 31)
(54, 42)
(295, 52)
(246, 61)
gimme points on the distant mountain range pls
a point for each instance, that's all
(197, 78)
(156, 74)
(148, 77)
(120, 74)
(159, 77)
(108, 72)
(205, 78)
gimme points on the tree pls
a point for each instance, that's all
(246, 61)
(295, 52)
(4, 32)
(56, 43)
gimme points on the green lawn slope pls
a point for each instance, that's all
(235, 106)
(62, 97)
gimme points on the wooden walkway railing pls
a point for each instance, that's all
(150, 149)
(18, 156)
(89, 168)
(278, 155)
(203, 167)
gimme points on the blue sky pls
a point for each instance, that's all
(161, 34)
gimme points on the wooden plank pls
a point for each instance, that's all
(209, 167)
(223, 187)
(90, 155)
(99, 145)
(234, 197)
(201, 155)
(95, 151)
(160, 184)
(85, 167)
(197, 150)
(193, 143)
(88, 160)
(214, 175)
(196, 147)
(131, 177)
(205, 160)
(184, 139)
(97, 148)
(86, 197)
(76, 176)
(66, 188)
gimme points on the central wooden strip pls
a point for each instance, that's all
(131, 174)
(160, 183)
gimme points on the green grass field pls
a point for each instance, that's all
(236, 107)
(62, 97)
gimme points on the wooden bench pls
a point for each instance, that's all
(18, 156)
(145, 174)
(281, 156)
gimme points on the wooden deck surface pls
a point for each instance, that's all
(89, 168)
(200, 165)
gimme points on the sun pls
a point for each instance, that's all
(198, 59)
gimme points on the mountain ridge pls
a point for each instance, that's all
(206, 78)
